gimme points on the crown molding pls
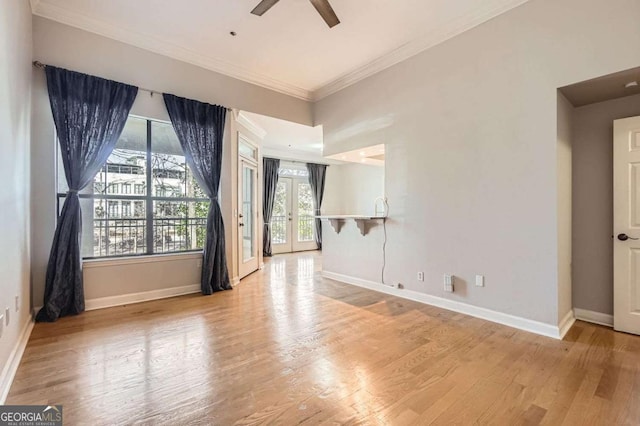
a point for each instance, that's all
(162, 47)
(414, 47)
(251, 126)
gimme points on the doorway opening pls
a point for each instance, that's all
(291, 224)
(351, 182)
(587, 112)
(248, 220)
(293, 219)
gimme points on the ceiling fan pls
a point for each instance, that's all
(322, 6)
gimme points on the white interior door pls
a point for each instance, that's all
(248, 217)
(626, 225)
(292, 222)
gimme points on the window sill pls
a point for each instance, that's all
(133, 260)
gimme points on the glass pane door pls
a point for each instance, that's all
(247, 218)
(281, 218)
(306, 221)
(292, 221)
(303, 217)
(248, 207)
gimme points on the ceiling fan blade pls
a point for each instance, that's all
(263, 6)
(326, 11)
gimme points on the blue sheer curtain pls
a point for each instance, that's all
(89, 114)
(200, 129)
(317, 174)
(270, 171)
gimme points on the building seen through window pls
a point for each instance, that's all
(121, 217)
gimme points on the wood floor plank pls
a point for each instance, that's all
(287, 347)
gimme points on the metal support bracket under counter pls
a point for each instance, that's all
(362, 222)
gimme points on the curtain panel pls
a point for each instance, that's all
(89, 114)
(317, 174)
(270, 172)
(200, 130)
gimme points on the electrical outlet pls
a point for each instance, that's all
(448, 283)
(420, 276)
(17, 303)
(7, 317)
(479, 280)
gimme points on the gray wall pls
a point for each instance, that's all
(351, 188)
(15, 117)
(348, 251)
(71, 48)
(473, 170)
(61, 45)
(564, 155)
(470, 128)
(593, 201)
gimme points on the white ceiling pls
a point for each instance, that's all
(284, 139)
(289, 49)
(282, 134)
(604, 88)
(292, 141)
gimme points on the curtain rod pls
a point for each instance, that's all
(39, 64)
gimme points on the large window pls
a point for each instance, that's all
(144, 200)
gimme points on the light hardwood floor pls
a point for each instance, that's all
(287, 347)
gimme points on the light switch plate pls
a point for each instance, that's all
(7, 316)
(479, 280)
(1, 325)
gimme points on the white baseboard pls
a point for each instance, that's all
(145, 296)
(566, 323)
(235, 281)
(131, 298)
(10, 369)
(594, 317)
(525, 324)
(91, 304)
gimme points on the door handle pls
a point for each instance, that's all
(240, 215)
(625, 237)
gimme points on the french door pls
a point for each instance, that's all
(247, 214)
(292, 222)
